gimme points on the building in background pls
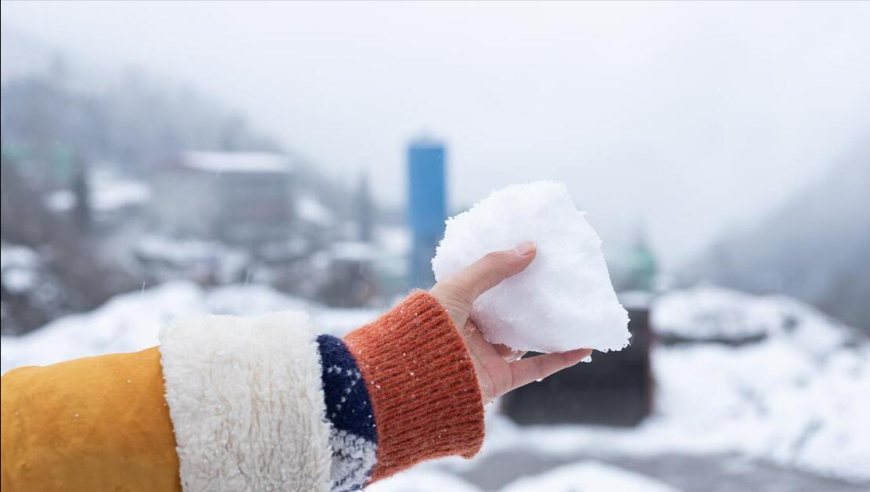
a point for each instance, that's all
(242, 198)
(617, 390)
(426, 207)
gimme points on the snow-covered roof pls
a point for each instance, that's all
(237, 162)
(355, 251)
(17, 256)
(20, 268)
(108, 191)
(113, 192)
(310, 209)
(713, 313)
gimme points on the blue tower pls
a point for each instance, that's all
(427, 207)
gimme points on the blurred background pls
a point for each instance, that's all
(166, 158)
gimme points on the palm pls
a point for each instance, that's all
(499, 369)
(492, 363)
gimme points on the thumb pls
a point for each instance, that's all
(489, 271)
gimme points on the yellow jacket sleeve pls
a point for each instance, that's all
(225, 404)
(99, 423)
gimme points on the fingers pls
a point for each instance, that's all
(490, 270)
(525, 371)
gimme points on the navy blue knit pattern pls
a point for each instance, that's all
(352, 434)
(347, 400)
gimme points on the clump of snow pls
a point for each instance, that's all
(564, 300)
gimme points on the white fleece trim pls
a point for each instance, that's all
(246, 401)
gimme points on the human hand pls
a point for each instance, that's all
(499, 369)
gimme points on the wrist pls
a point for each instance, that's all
(421, 382)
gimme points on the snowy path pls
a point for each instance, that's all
(687, 473)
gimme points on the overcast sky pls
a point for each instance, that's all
(690, 118)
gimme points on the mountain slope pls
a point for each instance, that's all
(815, 248)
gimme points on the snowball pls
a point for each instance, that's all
(564, 300)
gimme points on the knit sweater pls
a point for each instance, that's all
(261, 403)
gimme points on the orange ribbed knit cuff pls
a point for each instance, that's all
(421, 381)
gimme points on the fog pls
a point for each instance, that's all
(167, 159)
(686, 120)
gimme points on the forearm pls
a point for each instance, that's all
(244, 403)
(420, 398)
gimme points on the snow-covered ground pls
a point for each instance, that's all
(584, 476)
(711, 313)
(800, 397)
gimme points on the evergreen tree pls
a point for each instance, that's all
(364, 209)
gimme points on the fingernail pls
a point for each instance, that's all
(525, 248)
